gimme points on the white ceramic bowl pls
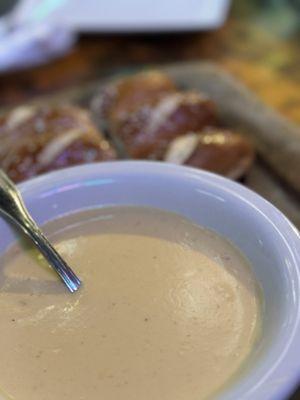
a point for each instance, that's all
(266, 237)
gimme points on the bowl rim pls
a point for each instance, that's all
(278, 220)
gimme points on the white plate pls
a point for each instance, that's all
(45, 29)
(130, 15)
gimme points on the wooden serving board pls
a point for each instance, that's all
(276, 172)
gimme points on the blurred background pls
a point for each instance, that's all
(55, 47)
(257, 40)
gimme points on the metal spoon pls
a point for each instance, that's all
(11, 204)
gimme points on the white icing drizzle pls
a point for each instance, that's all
(19, 116)
(182, 148)
(214, 138)
(57, 145)
(167, 105)
(162, 111)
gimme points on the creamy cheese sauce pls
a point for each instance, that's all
(167, 311)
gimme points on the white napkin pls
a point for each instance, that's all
(39, 30)
(29, 36)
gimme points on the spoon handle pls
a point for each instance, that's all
(11, 204)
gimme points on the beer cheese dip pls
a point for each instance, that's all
(167, 311)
